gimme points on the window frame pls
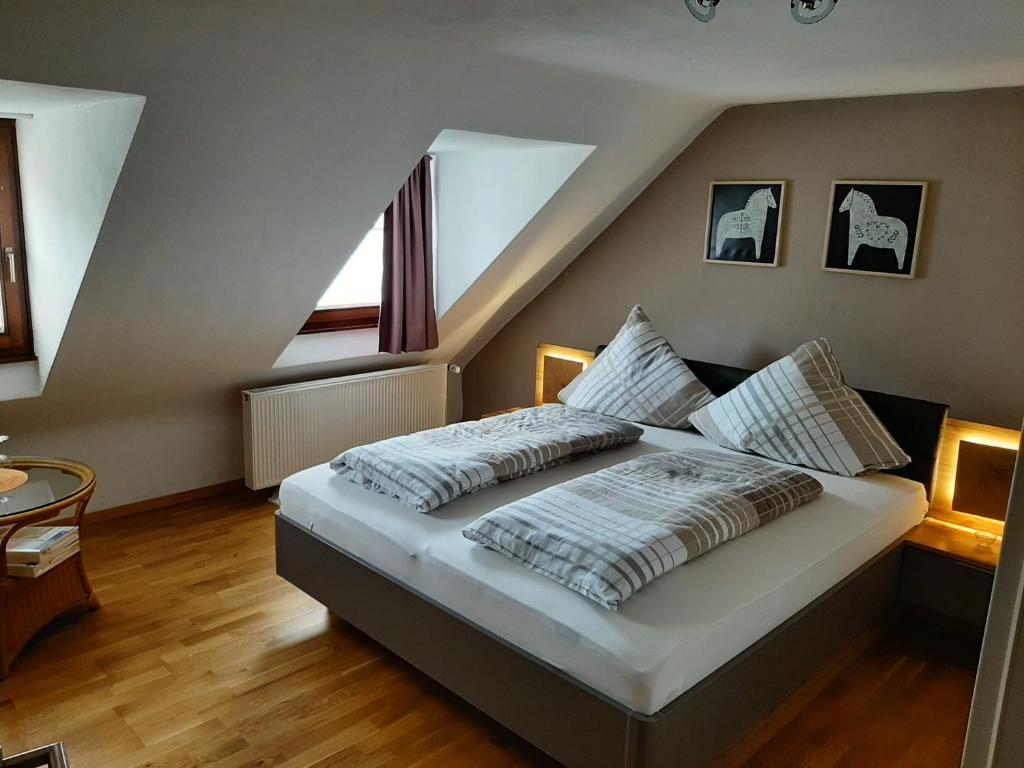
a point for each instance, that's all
(342, 319)
(16, 341)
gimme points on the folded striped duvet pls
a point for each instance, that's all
(428, 469)
(609, 533)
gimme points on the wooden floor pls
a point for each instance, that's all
(200, 655)
(901, 703)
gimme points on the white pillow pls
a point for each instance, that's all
(799, 411)
(639, 377)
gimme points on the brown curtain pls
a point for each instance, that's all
(407, 320)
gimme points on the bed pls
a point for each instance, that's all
(682, 668)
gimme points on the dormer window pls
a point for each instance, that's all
(353, 300)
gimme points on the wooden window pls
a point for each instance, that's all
(352, 301)
(15, 321)
(345, 319)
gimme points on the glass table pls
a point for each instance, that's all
(35, 491)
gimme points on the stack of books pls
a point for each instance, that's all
(33, 551)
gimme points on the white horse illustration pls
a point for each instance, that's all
(748, 222)
(866, 226)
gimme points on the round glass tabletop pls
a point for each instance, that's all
(28, 484)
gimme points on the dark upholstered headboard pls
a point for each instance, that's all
(915, 424)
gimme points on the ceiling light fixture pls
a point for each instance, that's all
(811, 11)
(804, 11)
(702, 9)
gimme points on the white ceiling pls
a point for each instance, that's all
(275, 132)
(754, 51)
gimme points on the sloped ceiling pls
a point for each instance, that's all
(276, 131)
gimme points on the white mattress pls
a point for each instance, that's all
(667, 637)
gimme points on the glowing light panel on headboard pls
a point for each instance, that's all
(957, 435)
(984, 474)
(556, 367)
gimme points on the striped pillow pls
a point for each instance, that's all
(798, 410)
(639, 377)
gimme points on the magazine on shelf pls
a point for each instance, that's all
(36, 544)
(35, 570)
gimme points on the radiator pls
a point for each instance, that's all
(290, 428)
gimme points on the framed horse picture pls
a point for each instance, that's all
(874, 227)
(744, 222)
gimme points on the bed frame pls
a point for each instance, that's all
(573, 723)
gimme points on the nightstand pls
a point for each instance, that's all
(946, 574)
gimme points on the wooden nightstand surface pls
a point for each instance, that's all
(957, 544)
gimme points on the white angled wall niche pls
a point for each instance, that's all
(487, 189)
(71, 146)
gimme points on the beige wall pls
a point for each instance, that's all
(953, 334)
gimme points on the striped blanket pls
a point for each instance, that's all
(431, 468)
(609, 533)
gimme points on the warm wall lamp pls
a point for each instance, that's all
(556, 367)
(983, 476)
(972, 475)
(804, 11)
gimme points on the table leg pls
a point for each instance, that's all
(28, 605)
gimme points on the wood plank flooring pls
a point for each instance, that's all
(901, 703)
(202, 656)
